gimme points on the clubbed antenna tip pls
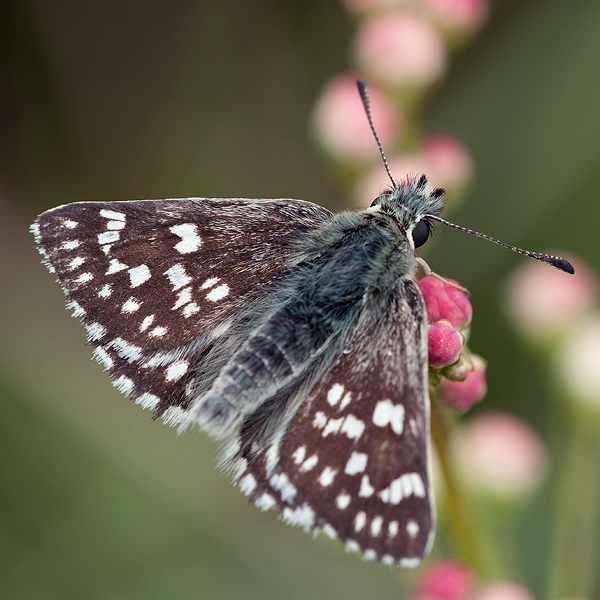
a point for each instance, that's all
(554, 261)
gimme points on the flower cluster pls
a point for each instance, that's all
(461, 373)
(402, 49)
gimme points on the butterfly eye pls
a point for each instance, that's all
(420, 233)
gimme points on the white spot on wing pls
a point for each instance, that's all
(176, 370)
(161, 359)
(366, 489)
(343, 500)
(115, 225)
(69, 224)
(376, 524)
(190, 240)
(218, 293)
(272, 455)
(126, 350)
(177, 276)
(183, 297)
(148, 401)
(112, 214)
(108, 237)
(76, 262)
(403, 487)
(309, 463)
(106, 291)
(356, 463)
(158, 331)
(412, 528)
(302, 516)
(70, 245)
(130, 305)
(265, 502)
(299, 454)
(388, 413)
(360, 521)
(124, 384)
(320, 420)
(76, 308)
(282, 484)
(139, 275)
(393, 528)
(327, 476)
(84, 278)
(174, 415)
(328, 530)
(335, 393)
(353, 427)
(247, 484)
(369, 554)
(345, 400)
(95, 331)
(103, 357)
(146, 322)
(114, 266)
(410, 563)
(209, 283)
(190, 309)
(333, 426)
(413, 427)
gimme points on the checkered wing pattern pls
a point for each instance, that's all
(350, 456)
(166, 288)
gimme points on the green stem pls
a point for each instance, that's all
(459, 516)
(574, 563)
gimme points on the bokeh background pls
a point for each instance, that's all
(103, 100)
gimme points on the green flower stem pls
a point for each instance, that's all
(575, 559)
(461, 519)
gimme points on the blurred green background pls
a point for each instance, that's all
(107, 100)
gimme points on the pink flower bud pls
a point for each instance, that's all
(458, 16)
(500, 454)
(461, 395)
(545, 302)
(448, 579)
(450, 164)
(444, 343)
(503, 590)
(339, 123)
(444, 301)
(400, 50)
(461, 369)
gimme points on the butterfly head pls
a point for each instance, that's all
(411, 203)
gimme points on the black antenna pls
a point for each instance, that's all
(363, 90)
(554, 261)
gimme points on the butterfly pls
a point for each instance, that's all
(296, 336)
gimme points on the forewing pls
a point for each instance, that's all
(353, 459)
(157, 283)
